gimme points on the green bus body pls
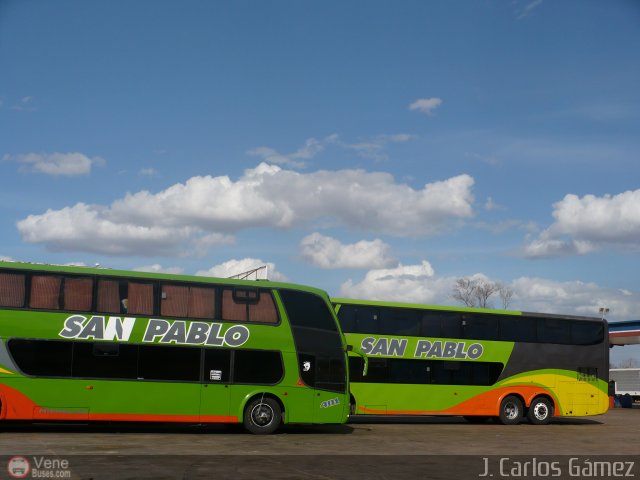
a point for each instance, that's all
(73, 346)
(478, 363)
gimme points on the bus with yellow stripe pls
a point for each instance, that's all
(476, 363)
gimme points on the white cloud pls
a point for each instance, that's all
(207, 209)
(67, 164)
(405, 283)
(327, 252)
(426, 105)
(26, 104)
(157, 268)
(235, 267)
(584, 224)
(374, 148)
(420, 284)
(577, 298)
(6, 259)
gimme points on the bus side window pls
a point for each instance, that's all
(264, 310)
(399, 321)
(78, 294)
(12, 289)
(480, 327)
(45, 292)
(140, 299)
(347, 318)
(431, 324)
(233, 310)
(108, 297)
(551, 330)
(257, 366)
(515, 328)
(367, 319)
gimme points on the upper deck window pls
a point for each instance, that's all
(12, 289)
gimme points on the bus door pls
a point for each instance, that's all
(215, 390)
(326, 373)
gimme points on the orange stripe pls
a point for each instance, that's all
(487, 403)
(17, 406)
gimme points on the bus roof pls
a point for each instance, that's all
(102, 271)
(381, 303)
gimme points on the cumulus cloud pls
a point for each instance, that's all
(575, 297)
(426, 105)
(205, 211)
(420, 284)
(66, 164)
(585, 224)
(404, 283)
(234, 267)
(327, 252)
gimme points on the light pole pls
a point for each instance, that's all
(604, 311)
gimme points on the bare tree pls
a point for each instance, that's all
(464, 291)
(506, 294)
(476, 292)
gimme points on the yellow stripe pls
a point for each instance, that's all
(2, 370)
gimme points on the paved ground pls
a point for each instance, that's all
(155, 451)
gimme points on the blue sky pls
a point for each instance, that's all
(376, 150)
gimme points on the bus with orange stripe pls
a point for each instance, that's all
(93, 344)
(476, 363)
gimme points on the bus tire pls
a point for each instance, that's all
(511, 410)
(540, 411)
(262, 416)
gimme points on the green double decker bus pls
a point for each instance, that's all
(477, 363)
(92, 344)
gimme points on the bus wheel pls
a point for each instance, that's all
(540, 411)
(511, 410)
(262, 416)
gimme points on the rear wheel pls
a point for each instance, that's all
(511, 410)
(540, 411)
(262, 416)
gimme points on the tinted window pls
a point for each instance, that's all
(436, 323)
(347, 318)
(451, 326)
(367, 319)
(94, 360)
(480, 327)
(551, 330)
(587, 333)
(45, 358)
(399, 321)
(257, 366)
(12, 289)
(518, 329)
(169, 363)
(439, 372)
(308, 310)
(217, 365)
(330, 373)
